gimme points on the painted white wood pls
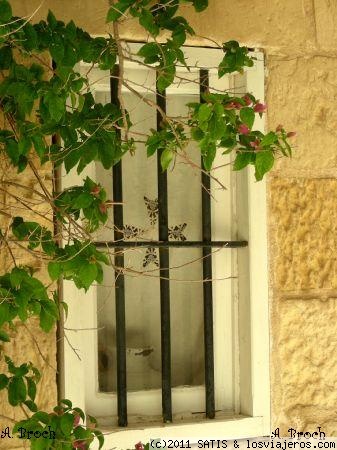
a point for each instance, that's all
(223, 428)
(246, 386)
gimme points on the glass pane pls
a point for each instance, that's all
(142, 287)
(187, 334)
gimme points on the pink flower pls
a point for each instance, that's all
(243, 129)
(260, 108)
(96, 190)
(77, 419)
(291, 134)
(279, 128)
(139, 446)
(255, 144)
(103, 207)
(79, 444)
(237, 105)
(230, 105)
(247, 100)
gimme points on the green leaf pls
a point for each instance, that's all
(41, 443)
(3, 381)
(4, 309)
(84, 200)
(31, 405)
(117, 10)
(41, 416)
(54, 270)
(4, 336)
(204, 112)
(247, 115)
(87, 274)
(165, 78)
(269, 139)
(51, 19)
(209, 157)
(200, 5)
(16, 391)
(6, 57)
(166, 158)
(99, 435)
(56, 105)
(242, 160)
(31, 388)
(263, 163)
(48, 315)
(197, 134)
(67, 423)
(39, 145)
(149, 52)
(16, 276)
(66, 402)
(5, 11)
(146, 20)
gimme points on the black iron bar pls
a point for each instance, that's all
(119, 277)
(175, 244)
(207, 275)
(164, 264)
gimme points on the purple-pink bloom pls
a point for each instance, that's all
(237, 105)
(291, 134)
(139, 446)
(230, 105)
(77, 419)
(255, 144)
(79, 444)
(243, 129)
(260, 108)
(247, 100)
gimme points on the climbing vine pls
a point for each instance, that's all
(51, 118)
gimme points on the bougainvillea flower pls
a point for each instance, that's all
(291, 134)
(255, 144)
(243, 129)
(80, 444)
(96, 190)
(230, 105)
(103, 207)
(139, 446)
(77, 419)
(279, 128)
(247, 100)
(260, 108)
(237, 105)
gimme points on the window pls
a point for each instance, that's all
(191, 336)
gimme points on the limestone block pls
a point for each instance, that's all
(30, 343)
(301, 95)
(304, 365)
(303, 234)
(256, 23)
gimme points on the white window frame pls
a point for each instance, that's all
(253, 419)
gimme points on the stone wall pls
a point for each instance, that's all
(299, 39)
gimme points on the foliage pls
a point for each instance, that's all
(52, 117)
(60, 429)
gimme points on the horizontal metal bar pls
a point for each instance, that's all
(174, 244)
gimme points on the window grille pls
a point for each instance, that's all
(193, 357)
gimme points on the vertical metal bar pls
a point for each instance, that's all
(207, 275)
(164, 264)
(119, 277)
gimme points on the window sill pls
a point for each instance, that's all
(223, 427)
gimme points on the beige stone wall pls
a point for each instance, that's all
(299, 38)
